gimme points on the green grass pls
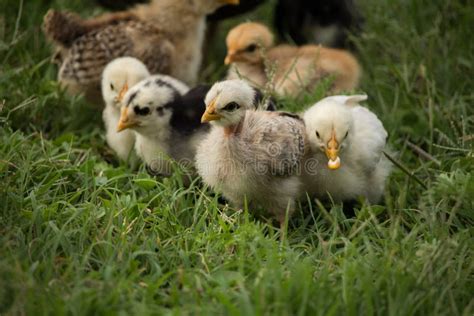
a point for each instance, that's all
(80, 234)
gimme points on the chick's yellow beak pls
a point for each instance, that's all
(230, 58)
(234, 2)
(122, 92)
(210, 113)
(125, 122)
(332, 151)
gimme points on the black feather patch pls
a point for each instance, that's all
(161, 82)
(259, 98)
(271, 104)
(292, 115)
(188, 109)
(132, 97)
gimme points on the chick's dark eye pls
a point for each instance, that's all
(112, 87)
(141, 111)
(317, 134)
(231, 106)
(251, 48)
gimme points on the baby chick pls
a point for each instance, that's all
(167, 35)
(349, 140)
(251, 156)
(164, 116)
(118, 75)
(288, 70)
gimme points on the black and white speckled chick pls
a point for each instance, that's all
(165, 116)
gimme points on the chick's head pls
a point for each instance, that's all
(118, 76)
(246, 43)
(227, 101)
(329, 125)
(148, 107)
(209, 6)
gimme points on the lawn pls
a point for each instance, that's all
(82, 234)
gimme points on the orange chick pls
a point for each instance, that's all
(285, 69)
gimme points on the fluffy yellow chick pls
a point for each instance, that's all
(289, 70)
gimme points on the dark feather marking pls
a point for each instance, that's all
(292, 115)
(161, 82)
(260, 98)
(271, 104)
(160, 111)
(132, 97)
(188, 109)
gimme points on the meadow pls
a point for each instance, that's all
(82, 234)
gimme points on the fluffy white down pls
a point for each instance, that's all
(121, 143)
(225, 173)
(363, 168)
(153, 150)
(120, 71)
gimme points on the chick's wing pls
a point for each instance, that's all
(277, 142)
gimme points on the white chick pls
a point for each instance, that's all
(252, 156)
(347, 140)
(118, 75)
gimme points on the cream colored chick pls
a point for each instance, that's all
(248, 155)
(118, 75)
(288, 70)
(347, 140)
(167, 35)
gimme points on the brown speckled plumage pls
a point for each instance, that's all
(166, 35)
(90, 53)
